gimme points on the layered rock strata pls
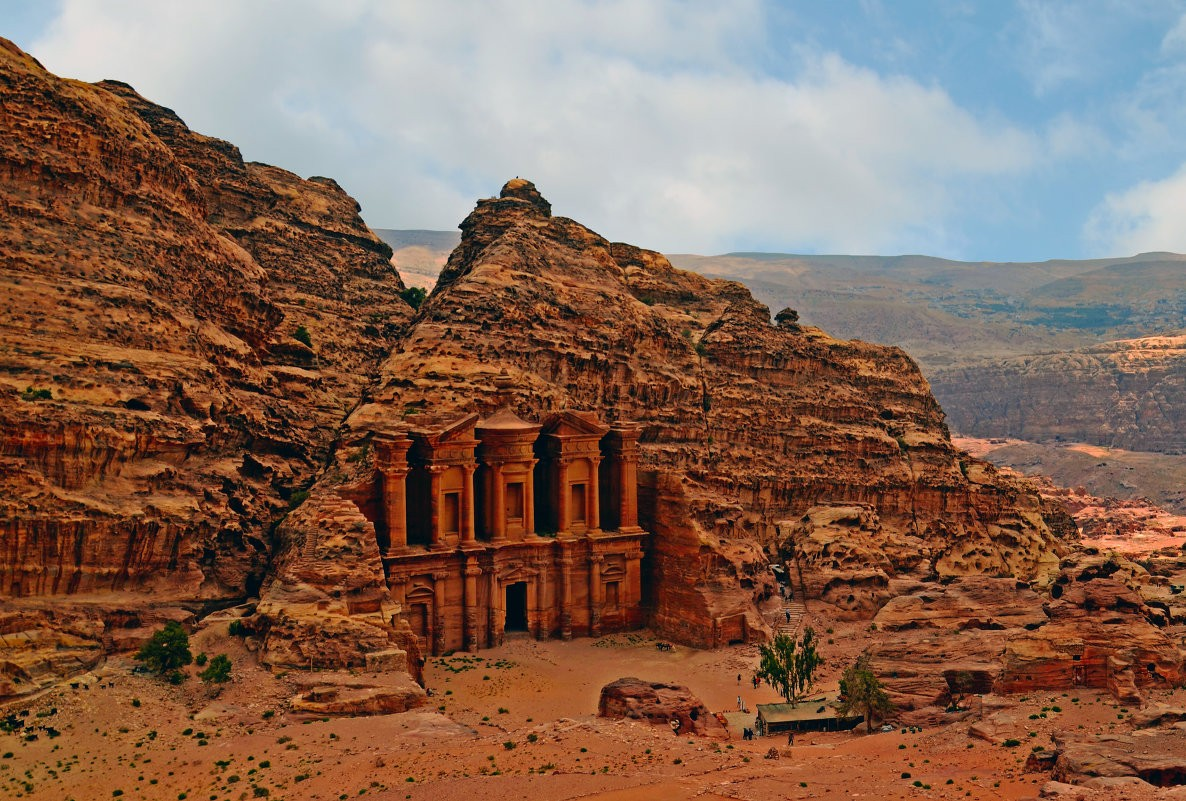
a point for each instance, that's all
(1100, 624)
(156, 408)
(1124, 394)
(182, 333)
(747, 423)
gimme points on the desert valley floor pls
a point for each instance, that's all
(520, 721)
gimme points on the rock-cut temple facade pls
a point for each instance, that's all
(502, 525)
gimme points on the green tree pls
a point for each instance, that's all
(301, 334)
(414, 296)
(167, 650)
(789, 666)
(861, 691)
(219, 670)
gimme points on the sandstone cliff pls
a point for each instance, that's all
(747, 423)
(1124, 394)
(186, 333)
(157, 415)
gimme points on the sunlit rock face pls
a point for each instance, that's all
(156, 411)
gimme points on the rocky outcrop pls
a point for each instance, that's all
(1158, 758)
(1089, 629)
(343, 694)
(659, 704)
(186, 333)
(326, 605)
(1126, 395)
(158, 409)
(747, 423)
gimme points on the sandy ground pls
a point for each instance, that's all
(513, 722)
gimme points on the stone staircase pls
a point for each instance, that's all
(790, 618)
(791, 615)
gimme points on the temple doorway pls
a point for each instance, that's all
(516, 606)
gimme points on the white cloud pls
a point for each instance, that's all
(1146, 217)
(645, 119)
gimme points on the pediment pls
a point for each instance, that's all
(569, 423)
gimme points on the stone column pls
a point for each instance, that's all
(438, 612)
(391, 459)
(623, 446)
(595, 600)
(564, 495)
(434, 503)
(467, 507)
(633, 589)
(542, 622)
(472, 640)
(499, 502)
(529, 501)
(565, 597)
(593, 497)
(497, 612)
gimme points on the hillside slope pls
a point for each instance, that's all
(156, 411)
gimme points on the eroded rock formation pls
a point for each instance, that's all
(747, 423)
(660, 704)
(187, 333)
(157, 413)
(1091, 628)
(1126, 395)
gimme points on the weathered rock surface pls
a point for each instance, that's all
(160, 413)
(156, 412)
(658, 703)
(1126, 395)
(1089, 629)
(1158, 758)
(747, 423)
(330, 693)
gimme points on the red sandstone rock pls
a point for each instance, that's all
(660, 704)
(343, 694)
(156, 282)
(155, 410)
(746, 423)
(1157, 758)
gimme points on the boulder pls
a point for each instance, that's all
(659, 704)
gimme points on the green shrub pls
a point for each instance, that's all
(200, 659)
(301, 334)
(218, 671)
(166, 651)
(414, 296)
(1011, 743)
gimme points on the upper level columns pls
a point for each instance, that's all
(391, 459)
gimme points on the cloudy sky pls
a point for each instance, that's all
(991, 129)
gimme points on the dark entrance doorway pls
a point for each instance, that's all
(517, 606)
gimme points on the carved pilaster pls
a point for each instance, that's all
(565, 579)
(472, 640)
(438, 612)
(499, 511)
(593, 498)
(437, 538)
(391, 460)
(595, 596)
(564, 495)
